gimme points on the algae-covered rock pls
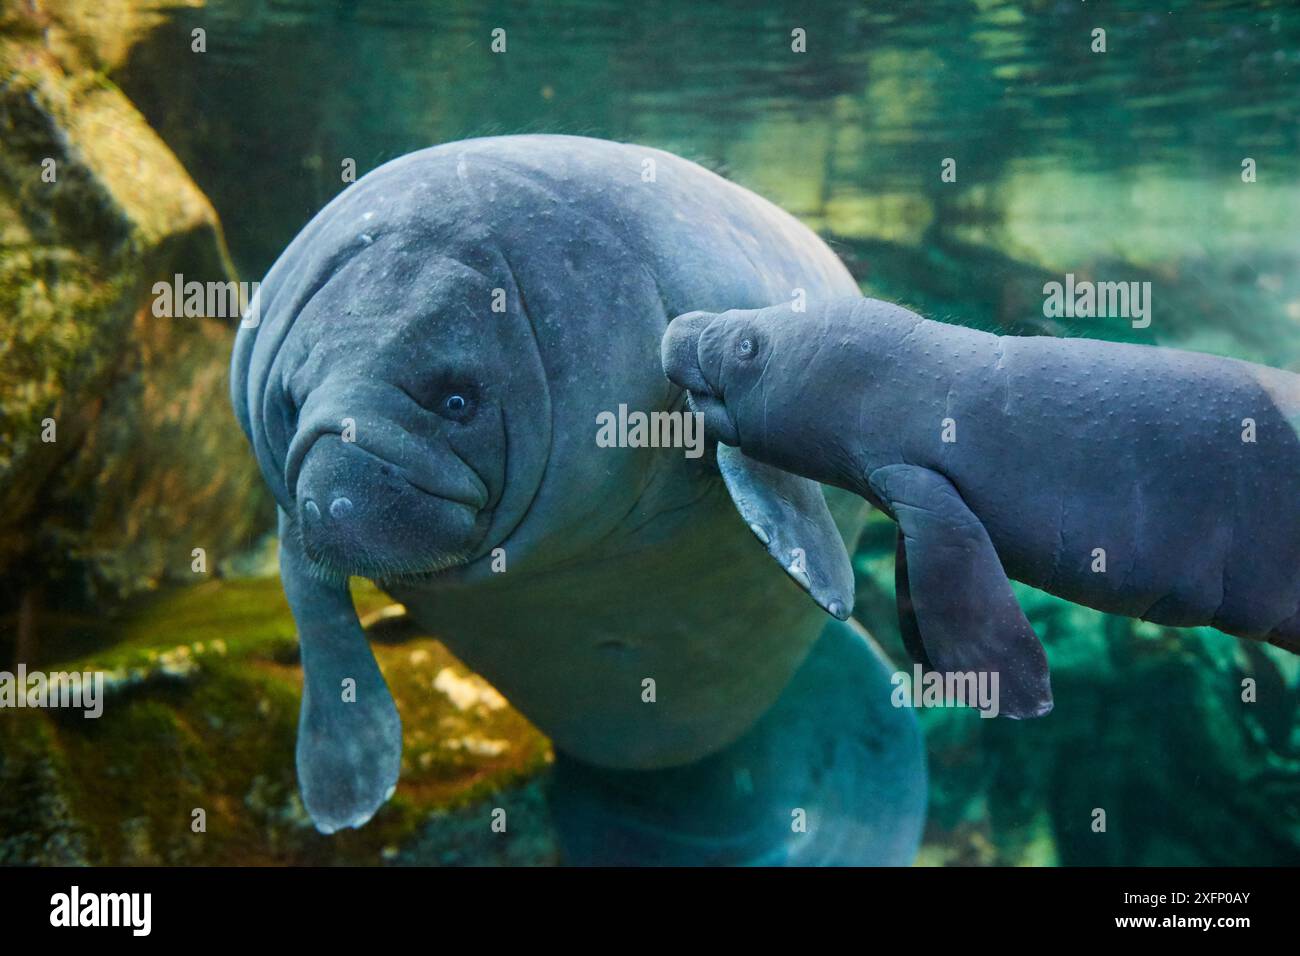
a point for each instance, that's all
(37, 825)
(201, 713)
(118, 455)
(463, 836)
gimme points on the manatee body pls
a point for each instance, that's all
(1149, 482)
(422, 391)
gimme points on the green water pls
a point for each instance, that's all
(1066, 159)
(1126, 162)
(1123, 165)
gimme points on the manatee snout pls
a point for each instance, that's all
(690, 363)
(679, 351)
(361, 514)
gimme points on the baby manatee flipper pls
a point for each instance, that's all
(953, 582)
(349, 735)
(789, 515)
(907, 626)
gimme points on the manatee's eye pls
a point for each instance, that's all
(458, 406)
(746, 346)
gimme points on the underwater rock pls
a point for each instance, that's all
(117, 455)
(38, 826)
(216, 718)
(462, 836)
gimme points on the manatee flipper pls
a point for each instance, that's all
(908, 629)
(349, 736)
(953, 583)
(788, 514)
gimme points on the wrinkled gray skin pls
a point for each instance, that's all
(1062, 446)
(475, 437)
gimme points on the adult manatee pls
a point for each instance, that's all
(421, 381)
(1149, 482)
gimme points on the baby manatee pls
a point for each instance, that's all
(1143, 481)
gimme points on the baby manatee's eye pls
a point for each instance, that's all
(746, 346)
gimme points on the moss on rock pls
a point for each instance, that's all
(201, 713)
(146, 462)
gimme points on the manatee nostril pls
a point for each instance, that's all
(309, 506)
(340, 508)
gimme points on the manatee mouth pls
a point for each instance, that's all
(684, 366)
(680, 352)
(464, 489)
(360, 514)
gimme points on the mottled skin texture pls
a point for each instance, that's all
(1062, 446)
(475, 439)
